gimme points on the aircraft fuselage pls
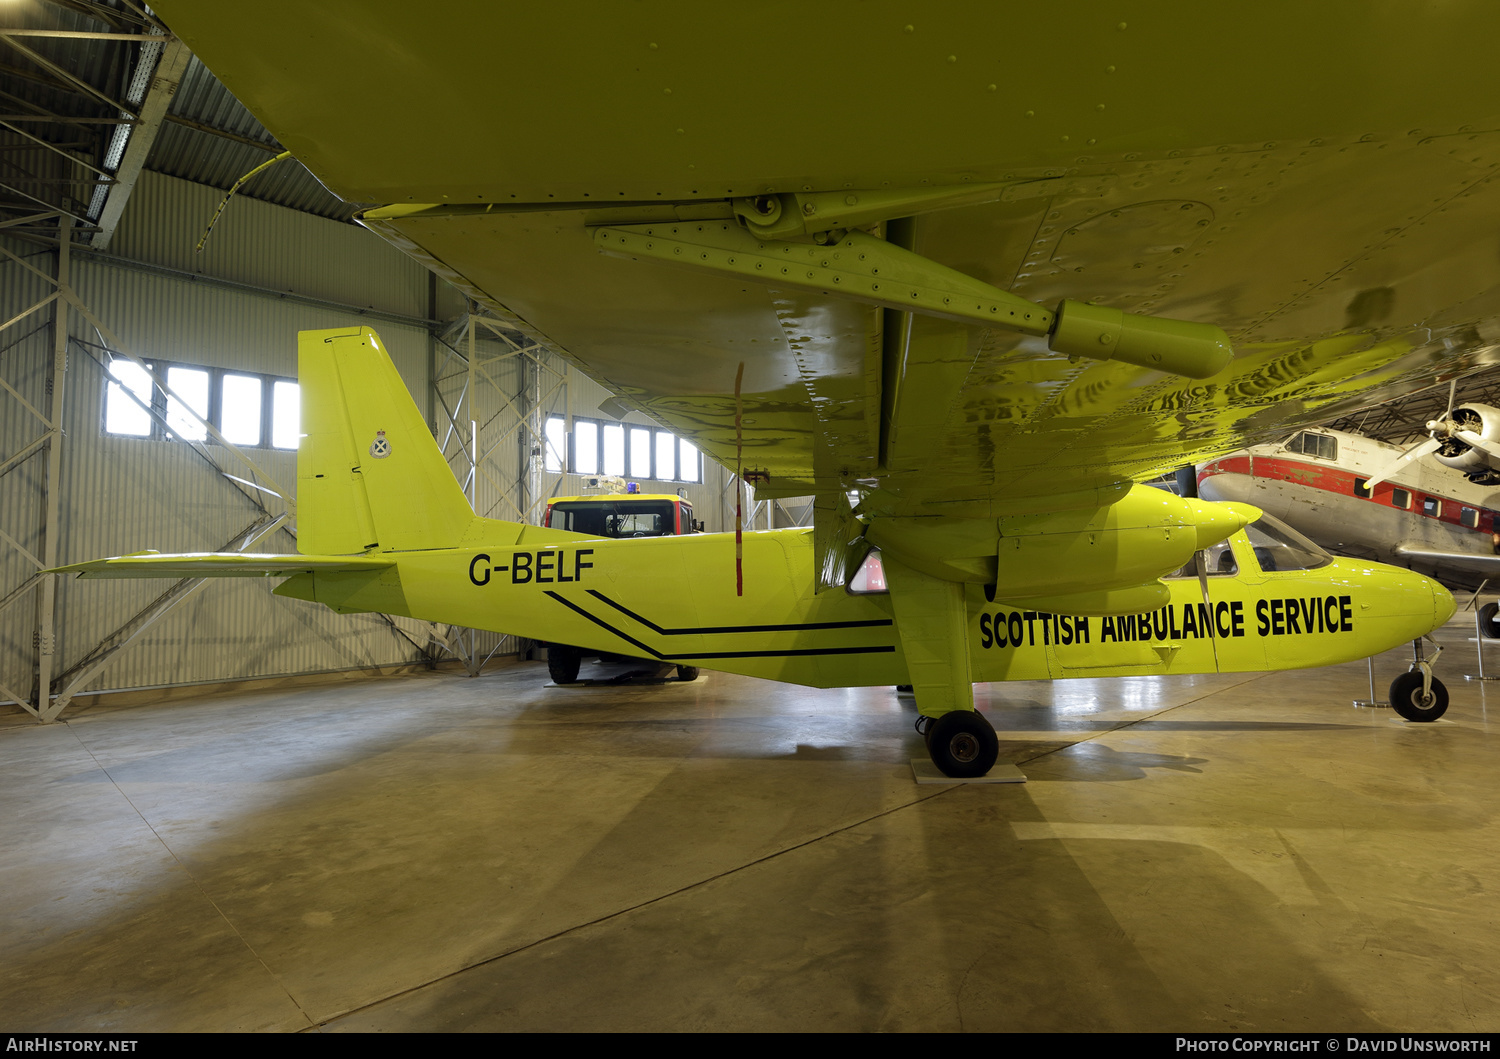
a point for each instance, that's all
(673, 599)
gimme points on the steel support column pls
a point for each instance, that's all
(57, 374)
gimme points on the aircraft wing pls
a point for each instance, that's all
(665, 193)
(1482, 564)
(218, 564)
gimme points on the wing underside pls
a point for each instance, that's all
(1337, 222)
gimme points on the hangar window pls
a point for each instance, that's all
(286, 414)
(585, 446)
(555, 444)
(615, 448)
(127, 400)
(248, 410)
(241, 402)
(188, 410)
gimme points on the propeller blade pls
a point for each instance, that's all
(1416, 452)
(1474, 441)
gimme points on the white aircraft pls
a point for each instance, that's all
(1365, 498)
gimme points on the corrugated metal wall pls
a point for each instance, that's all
(124, 494)
(266, 246)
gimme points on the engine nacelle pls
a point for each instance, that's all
(1481, 419)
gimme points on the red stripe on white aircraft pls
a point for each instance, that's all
(1341, 482)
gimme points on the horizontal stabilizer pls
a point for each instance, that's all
(218, 564)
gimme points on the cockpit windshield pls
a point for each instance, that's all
(1276, 546)
(1279, 547)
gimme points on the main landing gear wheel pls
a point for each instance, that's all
(563, 663)
(962, 744)
(1489, 628)
(686, 673)
(1408, 700)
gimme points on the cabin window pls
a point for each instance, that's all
(1469, 517)
(1400, 498)
(870, 577)
(1221, 561)
(1188, 569)
(1362, 488)
(1319, 445)
(1432, 506)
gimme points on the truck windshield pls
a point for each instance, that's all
(615, 518)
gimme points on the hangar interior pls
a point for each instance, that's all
(139, 291)
(234, 827)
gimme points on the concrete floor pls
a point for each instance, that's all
(439, 853)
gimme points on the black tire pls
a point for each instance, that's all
(686, 673)
(962, 744)
(1406, 698)
(563, 663)
(1489, 628)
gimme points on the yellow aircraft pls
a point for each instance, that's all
(386, 528)
(962, 271)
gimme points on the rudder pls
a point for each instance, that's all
(369, 474)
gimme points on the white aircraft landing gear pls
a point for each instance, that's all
(1417, 695)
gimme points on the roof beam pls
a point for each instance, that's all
(76, 83)
(153, 112)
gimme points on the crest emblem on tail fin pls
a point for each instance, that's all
(380, 448)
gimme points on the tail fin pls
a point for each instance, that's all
(369, 475)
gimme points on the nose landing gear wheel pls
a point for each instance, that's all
(1407, 698)
(686, 673)
(962, 744)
